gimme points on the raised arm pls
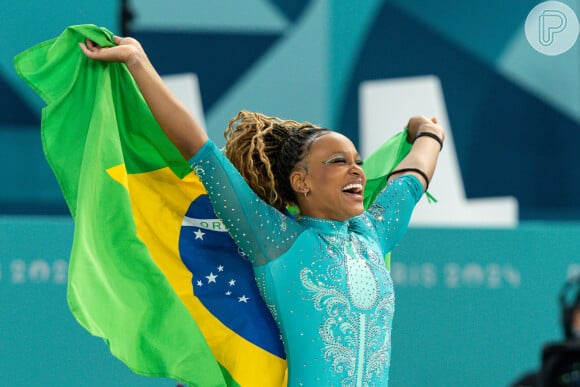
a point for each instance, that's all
(427, 138)
(179, 125)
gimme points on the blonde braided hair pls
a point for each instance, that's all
(265, 150)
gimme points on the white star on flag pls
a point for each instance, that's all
(220, 268)
(232, 282)
(211, 278)
(243, 299)
(199, 234)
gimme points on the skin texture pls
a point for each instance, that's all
(332, 164)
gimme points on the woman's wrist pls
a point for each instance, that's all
(431, 135)
(135, 57)
(432, 131)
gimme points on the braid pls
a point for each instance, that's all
(265, 151)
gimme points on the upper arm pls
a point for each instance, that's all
(391, 212)
(259, 230)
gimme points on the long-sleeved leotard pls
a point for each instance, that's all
(324, 281)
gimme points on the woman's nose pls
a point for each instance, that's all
(356, 169)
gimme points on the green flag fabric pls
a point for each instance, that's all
(382, 162)
(113, 282)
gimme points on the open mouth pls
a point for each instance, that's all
(353, 189)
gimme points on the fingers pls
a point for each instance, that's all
(85, 49)
(416, 121)
(123, 49)
(92, 46)
(419, 124)
(88, 46)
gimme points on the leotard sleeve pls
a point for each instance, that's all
(260, 231)
(391, 212)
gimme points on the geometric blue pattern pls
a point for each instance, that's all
(508, 141)
(15, 112)
(207, 54)
(512, 137)
(292, 9)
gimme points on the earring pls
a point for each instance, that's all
(305, 194)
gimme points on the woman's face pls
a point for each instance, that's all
(334, 178)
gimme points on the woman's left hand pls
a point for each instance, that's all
(415, 123)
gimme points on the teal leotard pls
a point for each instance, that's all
(324, 281)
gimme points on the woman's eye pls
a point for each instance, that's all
(342, 160)
(336, 160)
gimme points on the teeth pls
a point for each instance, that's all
(356, 186)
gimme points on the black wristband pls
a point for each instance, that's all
(416, 170)
(432, 135)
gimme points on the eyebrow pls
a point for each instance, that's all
(340, 154)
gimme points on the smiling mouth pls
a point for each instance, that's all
(353, 189)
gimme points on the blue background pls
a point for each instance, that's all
(515, 113)
(473, 305)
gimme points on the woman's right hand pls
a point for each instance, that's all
(177, 122)
(125, 49)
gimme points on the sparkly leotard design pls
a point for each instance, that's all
(324, 281)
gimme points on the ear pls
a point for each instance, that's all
(298, 181)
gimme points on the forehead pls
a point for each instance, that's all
(330, 143)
